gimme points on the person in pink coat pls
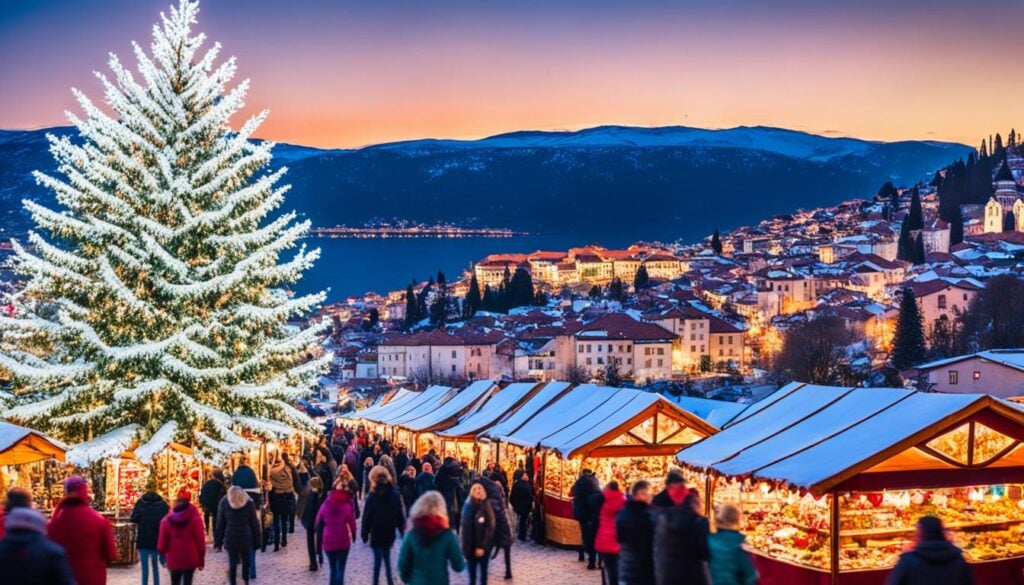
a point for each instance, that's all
(182, 540)
(337, 517)
(87, 537)
(607, 543)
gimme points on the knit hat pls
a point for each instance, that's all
(75, 484)
(931, 528)
(25, 519)
(184, 494)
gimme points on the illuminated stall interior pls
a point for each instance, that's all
(460, 441)
(419, 427)
(832, 480)
(31, 460)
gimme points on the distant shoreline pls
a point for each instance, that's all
(438, 231)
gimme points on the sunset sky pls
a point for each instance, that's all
(346, 73)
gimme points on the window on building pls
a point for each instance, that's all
(453, 354)
(693, 337)
(660, 363)
(629, 347)
(954, 377)
(693, 349)
(629, 361)
(453, 368)
(976, 375)
(720, 352)
(965, 296)
(647, 363)
(600, 361)
(588, 348)
(942, 301)
(730, 340)
(647, 351)
(702, 349)
(661, 351)
(581, 348)
(588, 361)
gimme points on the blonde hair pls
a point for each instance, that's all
(430, 503)
(237, 497)
(380, 474)
(727, 516)
(316, 484)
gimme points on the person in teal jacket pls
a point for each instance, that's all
(429, 546)
(730, 562)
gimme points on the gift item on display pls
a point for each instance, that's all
(42, 478)
(125, 483)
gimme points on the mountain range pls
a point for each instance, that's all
(612, 183)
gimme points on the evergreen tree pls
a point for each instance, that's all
(999, 151)
(617, 290)
(887, 191)
(540, 299)
(919, 254)
(474, 301)
(641, 280)
(595, 292)
(490, 301)
(439, 309)
(1011, 141)
(956, 227)
(716, 242)
(372, 319)
(412, 307)
(423, 308)
(905, 244)
(915, 216)
(520, 289)
(908, 348)
(984, 150)
(152, 310)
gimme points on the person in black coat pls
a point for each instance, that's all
(407, 487)
(383, 518)
(27, 557)
(238, 530)
(425, 480)
(522, 498)
(477, 531)
(502, 527)
(209, 497)
(582, 493)
(449, 483)
(401, 460)
(681, 550)
(932, 560)
(149, 510)
(314, 541)
(634, 529)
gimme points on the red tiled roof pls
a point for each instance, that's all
(622, 326)
(443, 338)
(922, 289)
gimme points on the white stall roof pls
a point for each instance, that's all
(784, 412)
(432, 397)
(716, 412)
(623, 405)
(574, 405)
(524, 413)
(496, 407)
(768, 401)
(377, 407)
(462, 401)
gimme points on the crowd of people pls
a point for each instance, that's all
(355, 485)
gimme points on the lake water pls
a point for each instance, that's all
(353, 266)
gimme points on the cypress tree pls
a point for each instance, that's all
(473, 301)
(716, 242)
(915, 215)
(520, 289)
(908, 347)
(919, 253)
(641, 280)
(489, 302)
(904, 246)
(956, 227)
(412, 307)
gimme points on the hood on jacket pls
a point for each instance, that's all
(428, 528)
(150, 498)
(613, 495)
(182, 514)
(383, 488)
(937, 552)
(336, 497)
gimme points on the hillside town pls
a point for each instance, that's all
(690, 317)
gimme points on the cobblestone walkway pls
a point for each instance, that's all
(531, 564)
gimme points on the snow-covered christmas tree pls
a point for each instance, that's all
(156, 308)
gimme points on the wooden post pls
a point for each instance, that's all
(709, 505)
(834, 537)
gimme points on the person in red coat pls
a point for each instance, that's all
(607, 543)
(182, 540)
(87, 537)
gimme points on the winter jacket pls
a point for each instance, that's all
(401, 461)
(607, 542)
(424, 483)
(237, 529)
(582, 490)
(477, 530)
(662, 499)
(87, 538)
(730, 562)
(147, 513)
(383, 516)
(337, 515)
(408, 491)
(281, 479)
(183, 539)
(210, 494)
(245, 478)
(634, 528)
(313, 502)
(931, 562)
(502, 527)
(680, 547)
(449, 483)
(426, 552)
(522, 497)
(27, 557)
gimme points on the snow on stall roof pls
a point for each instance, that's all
(574, 405)
(833, 419)
(624, 404)
(715, 412)
(767, 401)
(783, 412)
(111, 444)
(867, 438)
(492, 410)
(464, 399)
(398, 408)
(512, 422)
(432, 397)
(160, 439)
(10, 434)
(400, 396)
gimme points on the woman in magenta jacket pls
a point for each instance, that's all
(607, 543)
(182, 540)
(337, 516)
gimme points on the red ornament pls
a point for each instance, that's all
(875, 498)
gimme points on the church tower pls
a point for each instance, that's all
(993, 216)
(1005, 187)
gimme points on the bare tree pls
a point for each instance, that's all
(814, 351)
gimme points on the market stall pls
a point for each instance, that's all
(832, 480)
(418, 428)
(174, 466)
(506, 454)
(460, 441)
(31, 460)
(620, 433)
(383, 421)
